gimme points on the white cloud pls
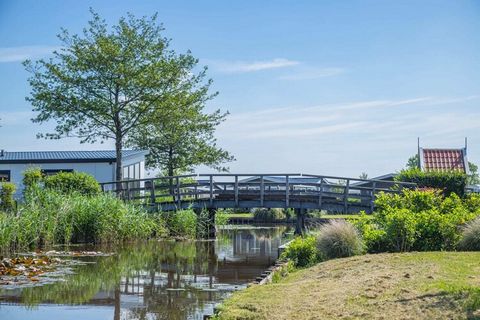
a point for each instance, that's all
(253, 66)
(312, 73)
(16, 54)
(391, 118)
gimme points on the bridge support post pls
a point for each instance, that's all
(300, 225)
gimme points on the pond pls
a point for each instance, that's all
(152, 280)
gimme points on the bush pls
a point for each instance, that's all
(416, 220)
(7, 190)
(448, 182)
(32, 176)
(470, 240)
(301, 251)
(68, 182)
(267, 215)
(338, 239)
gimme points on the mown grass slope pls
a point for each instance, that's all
(430, 285)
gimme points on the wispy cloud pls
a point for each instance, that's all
(310, 73)
(252, 66)
(391, 118)
(16, 54)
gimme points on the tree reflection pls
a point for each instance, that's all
(171, 280)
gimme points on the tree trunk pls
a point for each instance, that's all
(119, 162)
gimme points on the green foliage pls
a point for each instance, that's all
(182, 223)
(7, 190)
(302, 252)
(32, 177)
(222, 217)
(338, 239)
(448, 182)
(48, 217)
(417, 220)
(470, 240)
(108, 82)
(69, 182)
(413, 162)
(268, 215)
(473, 176)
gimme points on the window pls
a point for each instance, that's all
(51, 172)
(4, 175)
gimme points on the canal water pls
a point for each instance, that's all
(152, 280)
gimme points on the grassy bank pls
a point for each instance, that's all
(429, 285)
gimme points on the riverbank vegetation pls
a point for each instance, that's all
(68, 208)
(395, 283)
(425, 285)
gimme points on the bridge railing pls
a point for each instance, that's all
(254, 190)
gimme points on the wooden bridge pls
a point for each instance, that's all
(219, 191)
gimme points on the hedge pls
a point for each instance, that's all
(449, 182)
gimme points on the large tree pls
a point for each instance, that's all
(182, 136)
(106, 82)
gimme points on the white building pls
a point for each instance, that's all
(100, 164)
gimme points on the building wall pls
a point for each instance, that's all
(103, 172)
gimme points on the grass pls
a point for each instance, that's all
(246, 215)
(429, 285)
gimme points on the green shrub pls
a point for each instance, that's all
(416, 220)
(68, 182)
(338, 239)
(470, 240)
(267, 215)
(32, 176)
(449, 182)
(301, 251)
(7, 190)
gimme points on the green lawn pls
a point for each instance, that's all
(432, 285)
(240, 215)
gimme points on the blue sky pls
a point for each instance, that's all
(326, 87)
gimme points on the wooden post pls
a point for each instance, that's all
(320, 195)
(128, 191)
(287, 192)
(179, 198)
(196, 192)
(211, 190)
(345, 196)
(153, 198)
(236, 191)
(262, 191)
(372, 201)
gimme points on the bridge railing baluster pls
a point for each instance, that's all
(211, 190)
(287, 191)
(236, 191)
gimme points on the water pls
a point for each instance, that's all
(152, 280)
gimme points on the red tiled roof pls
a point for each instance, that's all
(443, 160)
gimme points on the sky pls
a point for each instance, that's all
(321, 87)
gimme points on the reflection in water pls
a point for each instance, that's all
(153, 280)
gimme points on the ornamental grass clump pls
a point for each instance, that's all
(338, 239)
(470, 239)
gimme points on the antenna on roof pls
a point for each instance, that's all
(466, 143)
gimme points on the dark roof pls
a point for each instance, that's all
(443, 159)
(65, 156)
(276, 179)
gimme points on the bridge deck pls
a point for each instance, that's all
(297, 191)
